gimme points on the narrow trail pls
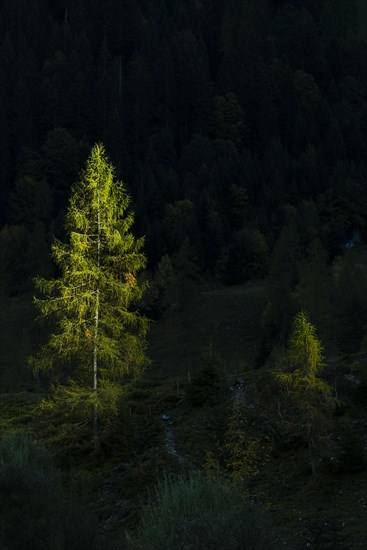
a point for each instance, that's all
(170, 440)
(110, 492)
(119, 505)
(171, 445)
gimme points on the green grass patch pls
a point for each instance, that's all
(200, 512)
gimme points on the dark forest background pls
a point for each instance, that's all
(239, 128)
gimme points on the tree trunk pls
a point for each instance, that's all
(97, 443)
(95, 378)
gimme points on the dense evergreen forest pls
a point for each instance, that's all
(227, 121)
(239, 130)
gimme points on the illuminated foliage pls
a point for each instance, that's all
(98, 336)
(306, 404)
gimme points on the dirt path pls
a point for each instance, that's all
(171, 445)
(170, 440)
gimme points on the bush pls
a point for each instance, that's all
(210, 385)
(35, 512)
(199, 513)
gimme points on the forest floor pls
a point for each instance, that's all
(326, 513)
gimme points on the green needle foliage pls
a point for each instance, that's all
(306, 404)
(242, 449)
(99, 338)
(305, 349)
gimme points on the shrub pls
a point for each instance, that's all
(210, 385)
(199, 513)
(35, 512)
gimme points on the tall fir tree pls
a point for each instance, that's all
(99, 337)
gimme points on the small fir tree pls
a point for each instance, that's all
(242, 449)
(98, 335)
(210, 384)
(307, 405)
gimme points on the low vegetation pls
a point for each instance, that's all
(200, 512)
(243, 443)
(35, 510)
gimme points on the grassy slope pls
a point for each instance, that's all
(329, 513)
(228, 319)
